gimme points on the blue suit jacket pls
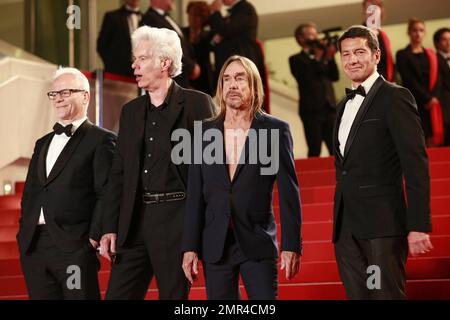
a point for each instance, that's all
(212, 198)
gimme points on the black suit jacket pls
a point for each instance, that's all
(212, 199)
(385, 145)
(153, 19)
(444, 90)
(189, 106)
(114, 43)
(239, 32)
(73, 193)
(314, 80)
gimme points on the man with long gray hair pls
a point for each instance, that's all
(143, 216)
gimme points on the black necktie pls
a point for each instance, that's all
(352, 93)
(60, 129)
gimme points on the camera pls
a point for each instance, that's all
(327, 41)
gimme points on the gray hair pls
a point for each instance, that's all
(165, 45)
(83, 82)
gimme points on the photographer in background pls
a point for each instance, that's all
(314, 68)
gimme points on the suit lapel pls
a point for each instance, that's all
(42, 163)
(223, 165)
(361, 113)
(243, 159)
(68, 150)
(176, 106)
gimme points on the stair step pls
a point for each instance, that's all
(321, 194)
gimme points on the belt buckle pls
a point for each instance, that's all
(156, 195)
(147, 196)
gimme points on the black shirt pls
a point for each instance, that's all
(158, 175)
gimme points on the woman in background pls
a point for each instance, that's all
(416, 66)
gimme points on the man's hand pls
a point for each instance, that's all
(419, 243)
(94, 243)
(216, 6)
(217, 39)
(108, 245)
(318, 53)
(190, 266)
(291, 262)
(196, 72)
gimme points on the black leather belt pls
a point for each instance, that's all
(151, 198)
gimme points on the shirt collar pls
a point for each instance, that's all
(368, 83)
(77, 123)
(445, 55)
(166, 100)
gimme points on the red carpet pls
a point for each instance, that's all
(428, 275)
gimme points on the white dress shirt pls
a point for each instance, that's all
(351, 109)
(446, 56)
(133, 18)
(54, 150)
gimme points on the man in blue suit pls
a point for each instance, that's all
(229, 221)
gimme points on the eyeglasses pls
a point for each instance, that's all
(65, 93)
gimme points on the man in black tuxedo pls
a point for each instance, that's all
(229, 220)
(442, 43)
(314, 68)
(114, 40)
(158, 16)
(236, 33)
(143, 218)
(60, 223)
(379, 142)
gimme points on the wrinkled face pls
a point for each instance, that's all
(444, 42)
(73, 107)
(417, 33)
(148, 69)
(358, 61)
(236, 88)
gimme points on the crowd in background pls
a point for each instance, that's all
(210, 38)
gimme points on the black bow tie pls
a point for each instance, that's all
(60, 129)
(352, 93)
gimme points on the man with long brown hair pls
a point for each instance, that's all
(223, 225)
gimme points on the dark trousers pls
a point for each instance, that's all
(354, 256)
(222, 279)
(318, 127)
(153, 249)
(52, 274)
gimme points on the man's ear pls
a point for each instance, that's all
(87, 97)
(165, 64)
